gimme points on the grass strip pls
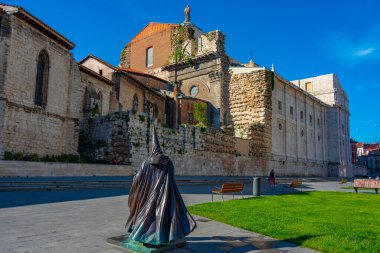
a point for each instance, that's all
(325, 221)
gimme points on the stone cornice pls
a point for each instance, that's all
(38, 110)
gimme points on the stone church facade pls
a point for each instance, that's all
(257, 120)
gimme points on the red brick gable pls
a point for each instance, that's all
(150, 29)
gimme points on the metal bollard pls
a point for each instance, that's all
(256, 186)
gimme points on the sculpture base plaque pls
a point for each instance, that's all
(125, 242)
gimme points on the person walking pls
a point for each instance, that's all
(272, 179)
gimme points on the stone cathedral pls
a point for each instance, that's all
(229, 118)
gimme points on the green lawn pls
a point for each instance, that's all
(325, 221)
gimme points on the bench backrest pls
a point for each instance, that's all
(367, 183)
(232, 188)
(296, 183)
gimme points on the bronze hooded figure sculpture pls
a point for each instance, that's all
(158, 215)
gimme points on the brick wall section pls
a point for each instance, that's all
(157, 36)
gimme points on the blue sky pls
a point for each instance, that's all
(301, 38)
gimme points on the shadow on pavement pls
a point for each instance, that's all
(235, 244)
(23, 198)
(14, 199)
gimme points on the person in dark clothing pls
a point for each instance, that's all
(272, 179)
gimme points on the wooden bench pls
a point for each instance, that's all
(342, 181)
(228, 188)
(295, 184)
(367, 183)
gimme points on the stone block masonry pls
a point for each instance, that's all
(250, 97)
(194, 151)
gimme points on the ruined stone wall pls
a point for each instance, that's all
(194, 151)
(251, 110)
(28, 128)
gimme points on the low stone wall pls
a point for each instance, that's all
(50, 169)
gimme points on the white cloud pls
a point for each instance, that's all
(365, 52)
(350, 51)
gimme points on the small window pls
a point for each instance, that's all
(319, 137)
(318, 121)
(279, 105)
(301, 132)
(291, 110)
(301, 115)
(100, 71)
(280, 126)
(308, 86)
(149, 56)
(193, 91)
(310, 119)
(342, 128)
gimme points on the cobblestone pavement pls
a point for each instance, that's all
(82, 220)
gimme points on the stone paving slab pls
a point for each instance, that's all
(60, 222)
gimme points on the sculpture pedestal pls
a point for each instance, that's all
(124, 242)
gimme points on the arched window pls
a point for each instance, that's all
(42, 78)
(135, 103)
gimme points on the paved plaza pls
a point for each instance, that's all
(82, 220)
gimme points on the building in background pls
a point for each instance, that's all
(171, 74)
(354, 151)
(373, 163)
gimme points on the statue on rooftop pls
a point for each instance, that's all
(158, 215)
(187, 14)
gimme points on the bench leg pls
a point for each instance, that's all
(233, 196)
(356, 189)
(242, 194)
(212, 197)
(377, 190)
(222, 197)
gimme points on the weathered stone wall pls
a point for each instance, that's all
(29, 128)
(251, 110)
(193, 151)
(5, 33)
(107, 138)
